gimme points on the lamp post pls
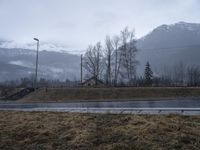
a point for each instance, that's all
(36, 68)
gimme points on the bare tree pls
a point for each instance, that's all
(108, 53)
(193, 74)
(128, 53)
(119, 59)
(166, 75)
(116, 43)
(179, 74)
(92, 61)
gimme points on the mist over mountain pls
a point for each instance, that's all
(44, 45)
(18, 63)
(164, 47)
(168, 45)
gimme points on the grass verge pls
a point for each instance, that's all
(49, 130)
(100, 94)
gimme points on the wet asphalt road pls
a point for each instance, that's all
(185, 106)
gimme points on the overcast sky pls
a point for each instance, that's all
(78, 23)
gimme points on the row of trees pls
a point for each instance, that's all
(179, 75)
(113, 62)
(28, 82)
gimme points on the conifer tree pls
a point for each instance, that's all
(148, 75)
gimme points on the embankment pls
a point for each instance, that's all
(108, 94)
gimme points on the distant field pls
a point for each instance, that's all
(100, 94)
(45, 130)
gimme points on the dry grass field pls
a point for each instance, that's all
(48, 130)
(99, 94)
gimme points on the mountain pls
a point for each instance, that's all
(164, 47)
(17, 63)
(168, 45)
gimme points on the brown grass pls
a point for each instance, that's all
(98, 94)
(45, 130)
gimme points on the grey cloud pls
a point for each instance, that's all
(81, 22)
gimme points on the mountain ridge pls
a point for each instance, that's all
(163, 47)
(168, 45)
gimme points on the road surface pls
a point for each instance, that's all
(180, 106)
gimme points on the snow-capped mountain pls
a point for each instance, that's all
(179, 34)
(164, 47)
(168, 45)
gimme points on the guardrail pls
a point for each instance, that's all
(189, 111)
(181, 111)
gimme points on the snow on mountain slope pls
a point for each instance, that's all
(168, 45)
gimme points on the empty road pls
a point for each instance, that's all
(184, 106)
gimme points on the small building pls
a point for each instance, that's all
(92, 82)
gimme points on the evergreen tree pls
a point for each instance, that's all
(148, 75)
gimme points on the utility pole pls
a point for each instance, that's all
(36, 68)
(108, 74)
(109, 68)
(116, 66)
(97, 74)
(81, 68)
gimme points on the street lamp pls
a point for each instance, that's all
(36, 68)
